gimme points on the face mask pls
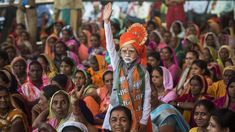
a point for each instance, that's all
(128, 60)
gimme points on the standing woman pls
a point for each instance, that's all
(163, 82)
(173, 7)
(170, 62)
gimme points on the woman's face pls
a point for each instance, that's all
(189, 58)
(154, 37)
(108, 80)
(206, 55)
(52, 42)
(43, 102)
(231, 90)
(201, 116)
(19, 67)
(165, 54)
(119, 122)
(95, 42)
(65, 35)
(83, 38)
(176, 28)
(65, 68)
(214, 126)
(60, 49)
(224, 54)
(167, 37)
(210, 40)
(192, 30)
(152, 61)
(5, 102)
(35, 72)
(80, 79)
(43, 63)
(60, 105)
(196, 70)
(157, 78)
(196, 87)
(227, 74)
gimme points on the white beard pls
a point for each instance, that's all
(128, 60)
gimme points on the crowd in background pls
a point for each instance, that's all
(65, 82)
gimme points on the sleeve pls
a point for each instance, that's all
(147, 98)
(114, 57)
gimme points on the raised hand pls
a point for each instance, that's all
(107, 12)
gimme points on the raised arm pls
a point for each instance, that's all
(114, 57)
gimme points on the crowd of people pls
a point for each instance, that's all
(132, 78)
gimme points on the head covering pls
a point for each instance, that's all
(49, 49)
(192, 38)
(52, 114)
(225, 47)
(76, 124)
(232, 68)
(203, 82)
(182, 33)
(167, 79)
(136, 35)
(157, 21)
(216, 41)
(12, 87)
(214, 24)
(16, 59)
(196, 28)
(212, 52)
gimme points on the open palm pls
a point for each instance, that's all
(107, 11)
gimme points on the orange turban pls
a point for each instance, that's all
(136, 35)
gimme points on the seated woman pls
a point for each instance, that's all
(170, 62)
(59, 111)
(18, 68)
(218, 89)
(68, 68)
(63, 81)
(44, 100)
(227, 101)
(154, 60)
(202, 114)
(198, 88)
(198, 67)
(162, 81)
(49, 69)
(12, 119)
(164, 117)
(222, 120)
(34, 85)
(224, 53)
(120, 119)
(97, 68)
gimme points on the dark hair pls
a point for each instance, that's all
(44, 58)
(197, 77)
(96, 35)
(4, 55)
(61, 42)
(68, 61)
(169, 49)
(49, 90)
(106, 73)
(225, 118)
(151, 22)
(195, 53)
(207, 104)
(85, 110)
(125, 110)
(229, 60)
(159, 69)
(61, 79)
(155, 55)
(10, 78)
(35, 62)
(116, 24)
(71, 128)
(202, 65)
(231, 80)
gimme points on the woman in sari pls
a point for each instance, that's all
(162, 81)
(12, 119)
(59, 111)
(211, 40)
(68, 67)
(218, 89)
(156, 41)
(224, 53)
(18, 68)
(227, 101)
(97, 68)
(50, 44)
(170, 62)
(85, 38)
(49, 69)
(32, 88)
(186, 102)
(165, 117)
